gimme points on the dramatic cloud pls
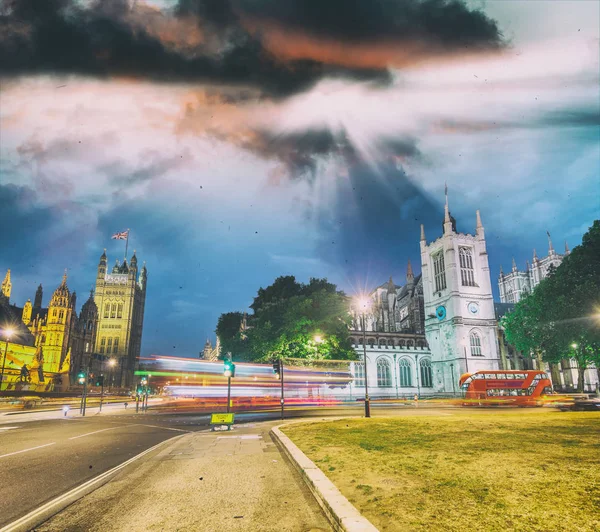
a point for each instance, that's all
(224, 42)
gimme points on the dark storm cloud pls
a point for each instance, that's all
(208, 40)
(444, 23)
(301, 152)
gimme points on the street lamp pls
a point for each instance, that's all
(363, 304)
(111, 364)
(318, 339)
(574, 346)
(7, 334)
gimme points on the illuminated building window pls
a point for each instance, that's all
(439, 271)
(359, 373)
(61, 315)
(467, 273)
(116, 345)
(102, 345)
(120, 311)
(384, 373)
(426, 373)
(109, 345)
(113, 311)
(405, 373)
(54, 313)
(106, 310)
(475, 345)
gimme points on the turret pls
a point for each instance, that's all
(447, 227)
(6, 286)
(37, 302)
(116, 267)
(567, 251)
(514, 265)
(27, 309)
(102, 265)
(550, 247)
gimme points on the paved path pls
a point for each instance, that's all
(212, 481)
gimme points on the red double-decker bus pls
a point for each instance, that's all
(517, 388)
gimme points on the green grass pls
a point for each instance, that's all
(470, 470)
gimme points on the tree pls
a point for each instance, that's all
(229, 333)
(560, 319)
(292, 320)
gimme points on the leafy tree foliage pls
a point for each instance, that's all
(229, 333)
(291, 320)
(561, 318)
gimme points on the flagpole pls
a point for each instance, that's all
(126, 244)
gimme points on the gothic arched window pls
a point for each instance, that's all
(116, 345)
(120, 311)
(359, 373)
(61, 315)
(405, 373)
(384, 373)
(113, 311)
(426, 373)
(439, 271)
(467, 273)
(106, 310)
(475, 341)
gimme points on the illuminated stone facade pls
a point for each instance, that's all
(120, 296)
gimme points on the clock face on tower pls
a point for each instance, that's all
(440, 312)
(473, 308)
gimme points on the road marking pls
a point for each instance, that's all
(43, 513)
(97, 431)
(25, 450)
(166, 428)
(8, 428)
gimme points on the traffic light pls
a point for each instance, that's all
(229, 369)
(277, 368)
(81, 377)
(100, 380)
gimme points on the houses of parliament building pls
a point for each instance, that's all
(59, 342)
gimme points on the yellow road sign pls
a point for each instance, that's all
(221, 419)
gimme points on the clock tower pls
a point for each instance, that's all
(460, 323)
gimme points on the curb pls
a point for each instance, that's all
(43, 513)
(340, 512)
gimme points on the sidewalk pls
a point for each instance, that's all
(204, 481)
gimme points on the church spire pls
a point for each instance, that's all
(567, 251)
(550, 248)
(501, 271)
(409, 273)
(535, 257)
(422, 233)
(6, 285)
(514, 265)
(448, 220)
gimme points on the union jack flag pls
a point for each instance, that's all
(121, 236)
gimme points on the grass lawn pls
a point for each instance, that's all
(464, 470)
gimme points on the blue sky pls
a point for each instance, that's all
(229, 179)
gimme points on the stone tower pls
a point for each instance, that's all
(120, 297)
(58, 327)
(460, 324)
(37, 302)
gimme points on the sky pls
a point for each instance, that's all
(241, 140)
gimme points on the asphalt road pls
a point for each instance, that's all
(43, 455)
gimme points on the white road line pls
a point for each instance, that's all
(34, 518)
(8, 428)
(97, 431)
(166, 428)
(25, 450)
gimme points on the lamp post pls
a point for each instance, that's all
(7, 334)
(452, 373)
(363, 304)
